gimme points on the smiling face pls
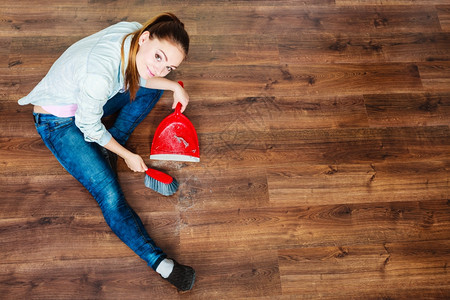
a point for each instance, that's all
(157, 58)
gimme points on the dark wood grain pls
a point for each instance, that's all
(426, 109)
(435, 75)
(341, 183)
(344, 47)
(444, 16)
(380, 267)
(316, 225)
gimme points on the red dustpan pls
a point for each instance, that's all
(175, 139)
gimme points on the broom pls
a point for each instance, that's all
(154, 179)
(160, 182)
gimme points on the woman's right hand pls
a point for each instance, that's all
(135, 163)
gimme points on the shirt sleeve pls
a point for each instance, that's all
(94, 90)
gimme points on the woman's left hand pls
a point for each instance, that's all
(180, 96)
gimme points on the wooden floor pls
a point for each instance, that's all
(325, 155)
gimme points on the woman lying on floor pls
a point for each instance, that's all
(119, 69)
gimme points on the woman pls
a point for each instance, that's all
(119, 69)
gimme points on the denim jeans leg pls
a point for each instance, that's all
(86, 163)
(133, 112)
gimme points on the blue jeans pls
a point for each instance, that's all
(86, 163)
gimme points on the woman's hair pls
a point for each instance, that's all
(165, 26)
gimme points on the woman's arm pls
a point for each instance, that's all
(179, 93)
(135, 161)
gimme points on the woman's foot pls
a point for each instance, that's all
(182, 277)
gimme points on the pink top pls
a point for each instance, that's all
(62, 111)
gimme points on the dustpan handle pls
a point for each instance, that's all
(178, 107)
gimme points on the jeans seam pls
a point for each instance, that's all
(46, 138)
(139, 228)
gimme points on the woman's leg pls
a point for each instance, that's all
(131, 113)
(86, 163)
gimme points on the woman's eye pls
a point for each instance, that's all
(158, 58)
(169, 69)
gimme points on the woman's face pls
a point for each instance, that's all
(157, 58)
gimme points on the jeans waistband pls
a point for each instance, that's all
(38, 117)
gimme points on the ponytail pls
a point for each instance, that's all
(165, 26)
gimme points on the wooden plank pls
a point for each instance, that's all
(42, 196)
(236, 273)
(435, 75)
(298, 113)
(49, 4)
(55, 238)
(307, 47)
(39, 51)
(17, 155)
(303, 184)
(425, 109)
(14, 84)
(444, 16)
(374, 270)
(214, 4)
(359, 145)
(106, 278)
(302, 80)
(388, 2)
(17, 121)
(227, 19)
(233, 49)
(4, 51)
(316, 18)
(50, 19)
(315, 226)
(349, 79)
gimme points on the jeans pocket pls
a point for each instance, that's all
(59, 123)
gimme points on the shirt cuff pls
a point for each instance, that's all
(104, 139)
